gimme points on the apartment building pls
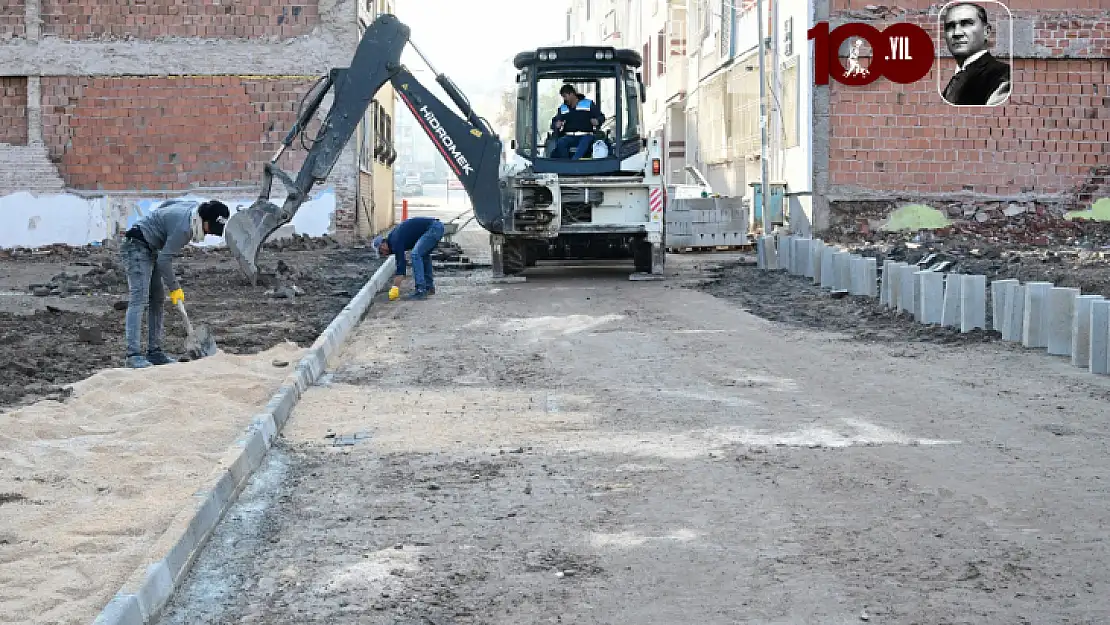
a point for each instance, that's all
(655, 28)
(724, 138)
(110, 107)
(702, 77)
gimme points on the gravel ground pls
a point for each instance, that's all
(579, 448)
(74, 325)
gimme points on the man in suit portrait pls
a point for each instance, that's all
(980, 79)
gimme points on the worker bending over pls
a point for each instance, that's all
(421, 235)
(147, 253)
(575, 122)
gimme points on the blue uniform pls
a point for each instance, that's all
(578, 120)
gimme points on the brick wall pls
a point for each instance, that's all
(1054, 129)
(153, 19)
(12, 13)
(1045, 142)
(13, 110)
(167, 133)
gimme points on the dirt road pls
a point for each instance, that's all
(592, 450)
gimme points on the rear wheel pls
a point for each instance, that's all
(641, 256)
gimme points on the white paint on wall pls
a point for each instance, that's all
(31, 221)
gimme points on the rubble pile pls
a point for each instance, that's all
(52, 252)
(1034, 225)
(301, 243)
(1013, 224)
(103, 276)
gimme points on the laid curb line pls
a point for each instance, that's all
(1061, 321)
(143, 597)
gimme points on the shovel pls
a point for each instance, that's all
(199, 342)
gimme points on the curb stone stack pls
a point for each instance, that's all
(1059, 320)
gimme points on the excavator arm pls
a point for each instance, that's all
(470, 147)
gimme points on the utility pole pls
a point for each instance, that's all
(765, 191)
(777, 122)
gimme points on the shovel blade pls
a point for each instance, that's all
(201, 343)
(247, 230)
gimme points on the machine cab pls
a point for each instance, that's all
(608, 78)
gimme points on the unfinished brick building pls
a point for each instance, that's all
(1046, 149)
(136, 101)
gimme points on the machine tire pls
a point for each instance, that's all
(641, 256)
(514, 256)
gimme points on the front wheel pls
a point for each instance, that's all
(514, 256)
(508, 255)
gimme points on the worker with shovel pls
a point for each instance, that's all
(147, 253)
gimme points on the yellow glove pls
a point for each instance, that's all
(177, 297)
(394, 293)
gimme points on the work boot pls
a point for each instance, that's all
(417, 295)
(159, 358)
(431, 290)
(137, 362)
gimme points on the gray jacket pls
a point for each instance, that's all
(167, 230)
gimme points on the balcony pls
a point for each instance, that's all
(674, 78)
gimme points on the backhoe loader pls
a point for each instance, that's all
(535, 207)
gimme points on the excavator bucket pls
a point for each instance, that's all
(247, 230)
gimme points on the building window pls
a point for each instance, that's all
(647, 61)
(661, 52)
(365, 145)
(743, 95)
(790, 125)
(714, 128)
(704, 16)
(726, 28)
(788, 37)
(390, 148)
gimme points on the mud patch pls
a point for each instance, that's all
(305, 284)
(497, 369)
(561, 563)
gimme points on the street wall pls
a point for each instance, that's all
(136, 101)
(1046, 148)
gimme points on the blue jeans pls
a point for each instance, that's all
(145, 295)
(564, 143)
(422, 257)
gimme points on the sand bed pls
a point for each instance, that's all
(88, 486)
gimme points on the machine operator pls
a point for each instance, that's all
(575, 122)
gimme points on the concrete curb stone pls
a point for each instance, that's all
(1061, 320)
(143, 597)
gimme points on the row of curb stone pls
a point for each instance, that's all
(143, 597)
(1039, 315)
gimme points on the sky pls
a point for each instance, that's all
(473, 41)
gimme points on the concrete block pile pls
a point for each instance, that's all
(1040, 315)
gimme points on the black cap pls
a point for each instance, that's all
(215, 214)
